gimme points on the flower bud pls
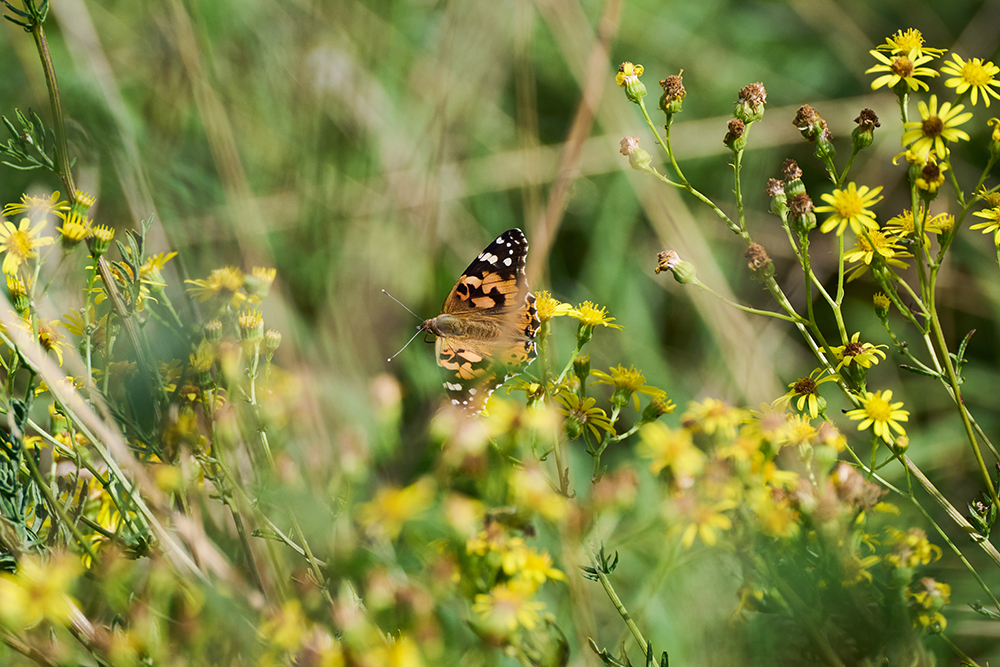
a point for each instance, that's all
(673, 94)
(659, 406)
(669, 260)
(638, 158)
(272, 340)
(736, 139)
(802, 219)
(994, 138)
(18, 294)
(793, 178)
(99, 240)
(882, 304)
(581, 367)
(776, 191)
(628, 78)
(864, 133)
(750, 105)
(756, 256)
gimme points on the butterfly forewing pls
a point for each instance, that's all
(486, 331)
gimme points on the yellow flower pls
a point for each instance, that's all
(878, 411)
(910, 549)
(36, 207)
(775, 514)
(903, 225)
(935, 128)
(905, 42)
(672, 449)
(391, 508)
(850, 207)
(901, 67)
(21, 243)
(508, 606)
(227, 281)
(75, 228)
(628, 73)
(974, 74)
(704, 521)
(931, 176)
(627, 383)
(583, 415)
(806, 390)
(548, 307)
(286, 627)
(713, 415)
(590, 315)
(530, 491)
(864, 252)
(50, 339)
(992, 224)
(150, 271)
(862, 354)
(38, 591)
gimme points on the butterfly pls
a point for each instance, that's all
(487, 326)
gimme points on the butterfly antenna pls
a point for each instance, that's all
(404, 308)
(419, 331)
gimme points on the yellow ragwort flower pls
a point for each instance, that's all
(935, 128)
(864, 252)
(877, 411)
(805, 392)
(901, 67)
(590, 315)
(705, 521)
(992, 224)
(905, 42)
(227, 280)
(36, 207)
(392, 507)
(627, 383)
(863, 354)
(21, 243)
(850, 207)
(628, 72)
(671, 449)
(507, 606)
(548, 307)
(974, 74)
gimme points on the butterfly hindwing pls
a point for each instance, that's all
(486, 331)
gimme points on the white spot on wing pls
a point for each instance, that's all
(507, 262)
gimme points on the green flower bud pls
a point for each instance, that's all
(864, 133)
(736, 137)
(750, 105)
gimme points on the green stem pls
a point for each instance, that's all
(61, 147)
(617, 602)
(51, 501)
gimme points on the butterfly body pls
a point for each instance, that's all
(486, 330)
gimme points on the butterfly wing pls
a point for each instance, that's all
(499, 322)
(494, 283)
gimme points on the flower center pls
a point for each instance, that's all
(902, 67)
(805, 386)
(932, 127)
(878, 409)
(19, 243)
(975, 74)
(849, 205)
(853, 349)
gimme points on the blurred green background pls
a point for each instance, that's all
(360, 146)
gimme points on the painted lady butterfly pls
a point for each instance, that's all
(486, 331)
